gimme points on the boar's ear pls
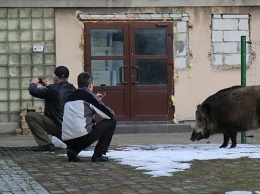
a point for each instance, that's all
(206, 109)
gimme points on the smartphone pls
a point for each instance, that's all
(102, 89)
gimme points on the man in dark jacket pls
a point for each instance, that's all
(79, 129)
(55, 96)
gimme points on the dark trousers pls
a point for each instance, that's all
(41, 126)
(102, 132)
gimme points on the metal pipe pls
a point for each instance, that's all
(243, 75)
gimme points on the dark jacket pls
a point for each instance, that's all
(55, 96)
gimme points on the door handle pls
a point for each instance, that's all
(121, 69)
(137, 75)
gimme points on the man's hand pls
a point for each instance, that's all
(101, 96)
(36, 81)
(45, 83)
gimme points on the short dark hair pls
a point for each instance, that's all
(84, 79)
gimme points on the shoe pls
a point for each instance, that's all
(48, 148)
(72, 156)
(101, 158)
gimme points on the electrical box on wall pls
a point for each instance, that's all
(37, 48)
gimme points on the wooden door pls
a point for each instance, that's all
(151, 59)
(134, 60)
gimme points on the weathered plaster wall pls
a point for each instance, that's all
(205, 80)
(194, 84)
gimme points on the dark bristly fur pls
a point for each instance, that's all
(228, 111)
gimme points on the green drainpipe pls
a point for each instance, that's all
(243, 75)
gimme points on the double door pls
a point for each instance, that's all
(135, 62)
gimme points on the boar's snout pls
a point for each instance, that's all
(196, 135)
(200, 136)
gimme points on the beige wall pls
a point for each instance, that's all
(68, 36)
(190, 90)
(204, 80)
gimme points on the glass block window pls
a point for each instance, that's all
(27, 49)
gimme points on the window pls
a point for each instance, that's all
(20, 30)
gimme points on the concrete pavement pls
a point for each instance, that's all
(24, 171)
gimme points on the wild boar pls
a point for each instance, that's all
(228, 111)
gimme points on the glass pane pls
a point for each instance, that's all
(14, 83)
(37, 59)
(3, 83)
(26, 71)
(38, 71)
(14, 71)
(152, 72)
(49, 70)
(106, 72)
(3, 95)
(4, 117)
(150, 42)
(3, 106)
(26, 103)
(3, 71)
(14, 95)
(15, 106)
(26, 59)
(25, 82)
(49, 59)
(107, 42)
(26, 95)
(14, 117)
(3, 60)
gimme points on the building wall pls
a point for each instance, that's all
(68, 37)
(202, 80)
(128, 3)
(195, 78)
(195, 82)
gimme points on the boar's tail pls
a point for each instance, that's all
(206, 109)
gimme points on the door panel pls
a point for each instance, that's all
(149, 103)
(107, 58)
(150, 53)
(134, 60)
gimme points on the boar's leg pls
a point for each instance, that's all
(233, 136)
(226, 139)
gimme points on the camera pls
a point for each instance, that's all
(40, 80)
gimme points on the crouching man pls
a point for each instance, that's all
(79, 129)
